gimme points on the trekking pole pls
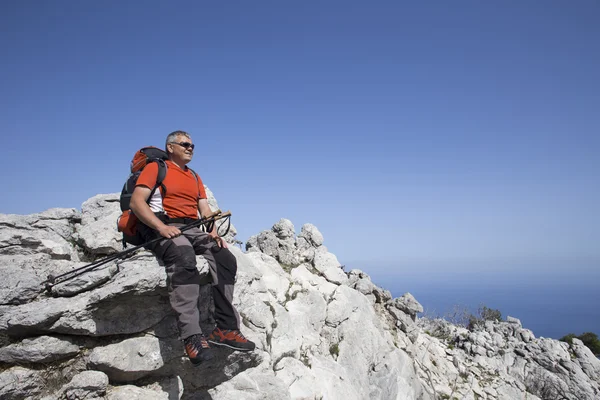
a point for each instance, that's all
(56, 279)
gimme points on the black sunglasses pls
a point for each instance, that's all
(186, 145)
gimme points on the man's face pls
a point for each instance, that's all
(182, 149)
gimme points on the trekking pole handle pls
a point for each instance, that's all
(52, 279)
(215, 216)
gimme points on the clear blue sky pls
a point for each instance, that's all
(423, 134)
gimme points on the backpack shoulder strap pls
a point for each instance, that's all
(196, 178)
(160, 177)
(194, 173)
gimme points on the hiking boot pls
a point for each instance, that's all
(231, 338)
(197, 349)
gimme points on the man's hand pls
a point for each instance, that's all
(169, 232)
(218, 239)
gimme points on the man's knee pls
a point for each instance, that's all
(173, 254)
(226, 265)
(184, 275)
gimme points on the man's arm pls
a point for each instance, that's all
(141, 209)
(204, 211)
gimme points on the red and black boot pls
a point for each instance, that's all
(231, 338)
(198, 349)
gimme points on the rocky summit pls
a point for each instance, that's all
(321, 332)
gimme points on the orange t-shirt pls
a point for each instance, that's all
(182, 189)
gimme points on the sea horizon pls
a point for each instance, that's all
(550, 304)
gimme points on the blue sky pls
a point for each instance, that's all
(417, 137)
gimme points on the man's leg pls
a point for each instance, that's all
(183, 282)
(226, 316)
(223, 268)
(183, 285)
(227, 333)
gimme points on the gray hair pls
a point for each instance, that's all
(172, 137)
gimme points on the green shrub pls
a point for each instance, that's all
(489, 314)
(568, 338)
(334, 350)
(484, 313)
(590, 339)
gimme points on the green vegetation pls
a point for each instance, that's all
(334, 350)
(484, 313)
(287, 268)
(590, 339)
(461, 316)
(489, 314)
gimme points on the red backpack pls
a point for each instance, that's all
(127, 222)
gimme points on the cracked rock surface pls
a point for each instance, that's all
(321, 332)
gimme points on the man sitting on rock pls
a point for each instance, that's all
(173, 205)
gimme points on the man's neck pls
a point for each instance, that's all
(179, 163)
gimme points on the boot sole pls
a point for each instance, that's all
(196, 362)
(228, 345)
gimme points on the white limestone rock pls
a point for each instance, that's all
(298, 378)
(274, 277)
(97, 232)
(43, 233)
(285, 338)
(268, 243)
(256, 384)
(590, 364)
(108, 310)
(21, 383)
(514, 321)
(21, 283)
(280, 243)
(302, 276)
(328, 265)
(131, 392)
(307, 310)
(42, 349)
(167, 389)
(319, 331)
(131, 359)
(85, 281)
(284, 229)
(283, 250)
(304, 250)
(312, 235)
(343, 304)
(408, 304)
(252, 298)
(86, 385)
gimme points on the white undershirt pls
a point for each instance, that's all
(155, 203)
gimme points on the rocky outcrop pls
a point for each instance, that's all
(502, 360)
(321, 332)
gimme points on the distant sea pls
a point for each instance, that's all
(550, 305)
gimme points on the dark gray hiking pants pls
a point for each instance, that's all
(183, 280)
